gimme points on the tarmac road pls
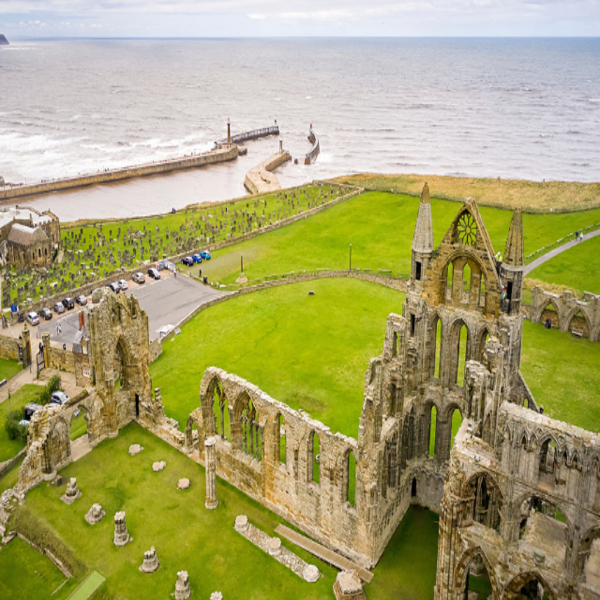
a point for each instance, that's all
(166, 302)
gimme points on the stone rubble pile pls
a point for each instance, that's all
(273, 547)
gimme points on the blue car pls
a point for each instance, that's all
(187, 261)
(205, 254)
(197, 258)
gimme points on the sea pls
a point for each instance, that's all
(510, 108)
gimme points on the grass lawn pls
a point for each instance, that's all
(575, 268)
(204, 543)
(563, 374)
(311, 352)
(408, 566)
(185, 534)
(25, 573)
(9, 368)
(308, 355)
(28, 393)
(380, 227)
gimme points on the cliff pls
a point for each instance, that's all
(3, 40)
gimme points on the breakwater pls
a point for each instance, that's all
(218, 155)
(260, 179)
(312, 154)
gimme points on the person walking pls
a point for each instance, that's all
(581, 237)
(57, 329)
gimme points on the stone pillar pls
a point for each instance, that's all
(26, 346)
(46, 346)
(151, 562)
(122, 536)
(210, 464)
(182, 586)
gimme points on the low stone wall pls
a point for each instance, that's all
(7, 194)
(9, 347)
(260, 180)
(7, 465)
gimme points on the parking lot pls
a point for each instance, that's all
(166, 302)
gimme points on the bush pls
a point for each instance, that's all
(12, 427)
(54, 384)
(44, 396)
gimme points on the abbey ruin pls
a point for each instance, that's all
(517, 492)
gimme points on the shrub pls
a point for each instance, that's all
(12, 427)
(54, 384)
(44, 396)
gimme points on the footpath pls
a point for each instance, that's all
(550, 255)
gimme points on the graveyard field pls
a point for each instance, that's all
(379, 226)
(312, 352)
(93, 250)
(187, 536)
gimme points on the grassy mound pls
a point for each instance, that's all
(531, 196)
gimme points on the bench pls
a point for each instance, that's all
(577, 332)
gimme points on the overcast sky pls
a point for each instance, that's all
(254, 18)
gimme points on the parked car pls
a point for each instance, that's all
(152, 272)
(31, 408)
(59, 398)
(59, 308)
(46, 314)
(81, 300)
(114, 286)
(123, 284)
(196, 258)
(69, 303)
(32, 318)
(188, 261)
(205, 254)
(138, 278)
(23, 423)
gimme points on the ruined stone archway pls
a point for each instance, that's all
(578, 320)
(462, 571)
(486, 504)
(529, 579)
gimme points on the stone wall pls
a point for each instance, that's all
(566, 312)
(9, 348)
(222, 154)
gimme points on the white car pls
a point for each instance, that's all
(123, 284)
(32, 318)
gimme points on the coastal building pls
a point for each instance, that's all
(27, 237)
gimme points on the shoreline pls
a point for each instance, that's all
(219, 155)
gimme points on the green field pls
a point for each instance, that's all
(25, 573)
(311, 352)
(563, 375)
(216, 557)
(28, 393)
(380, 227)
(9, 368)
(575, 268)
